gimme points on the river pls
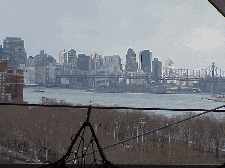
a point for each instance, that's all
(81, 97)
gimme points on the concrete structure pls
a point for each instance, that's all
(112, 64)
(14, 51)
(131, 64)
(144, 62)
(11, 83)
(156, 70)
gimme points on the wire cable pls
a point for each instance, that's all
(160, 128)
(105, 107)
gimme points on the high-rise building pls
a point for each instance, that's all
(30, 61)
(94, 54)
(83, 62)
(72, 58)
(169, 67)
(112, 64)
(1, 52)
(14, 51)
(11, 84)
(40, 75)
(156, 70)
(51, 60)
(62, 57)
(131, 65)
(144, 62)
(93, 61)
(40, 60)
(98, 62)
(29, 75)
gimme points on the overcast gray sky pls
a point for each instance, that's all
(191, 32)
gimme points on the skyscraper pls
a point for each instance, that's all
(83, 62)
(14, 51)
(92, 61)
(51, 60)
(144, 62)
(94, 54)
(156, 70)
(169, 67)
(30, 61)
(1, 52)
(112, 64)
(62, 57)
(72, 56)
(98, 62)
(131, 65)
(40, 60)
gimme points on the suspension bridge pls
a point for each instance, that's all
(211, 77)
(173, 74)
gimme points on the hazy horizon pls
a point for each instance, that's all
(190, 32)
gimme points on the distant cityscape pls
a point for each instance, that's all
(102, 73)
(71, 63)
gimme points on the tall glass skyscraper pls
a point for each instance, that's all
(144, 62)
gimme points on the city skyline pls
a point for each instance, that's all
(66, 56)
(191, 33)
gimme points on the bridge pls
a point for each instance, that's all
(175, 74)
(212, 75)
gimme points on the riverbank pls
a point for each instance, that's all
(152, 88)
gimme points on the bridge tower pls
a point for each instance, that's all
(213, 79)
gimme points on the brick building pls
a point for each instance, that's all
(11, 83)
